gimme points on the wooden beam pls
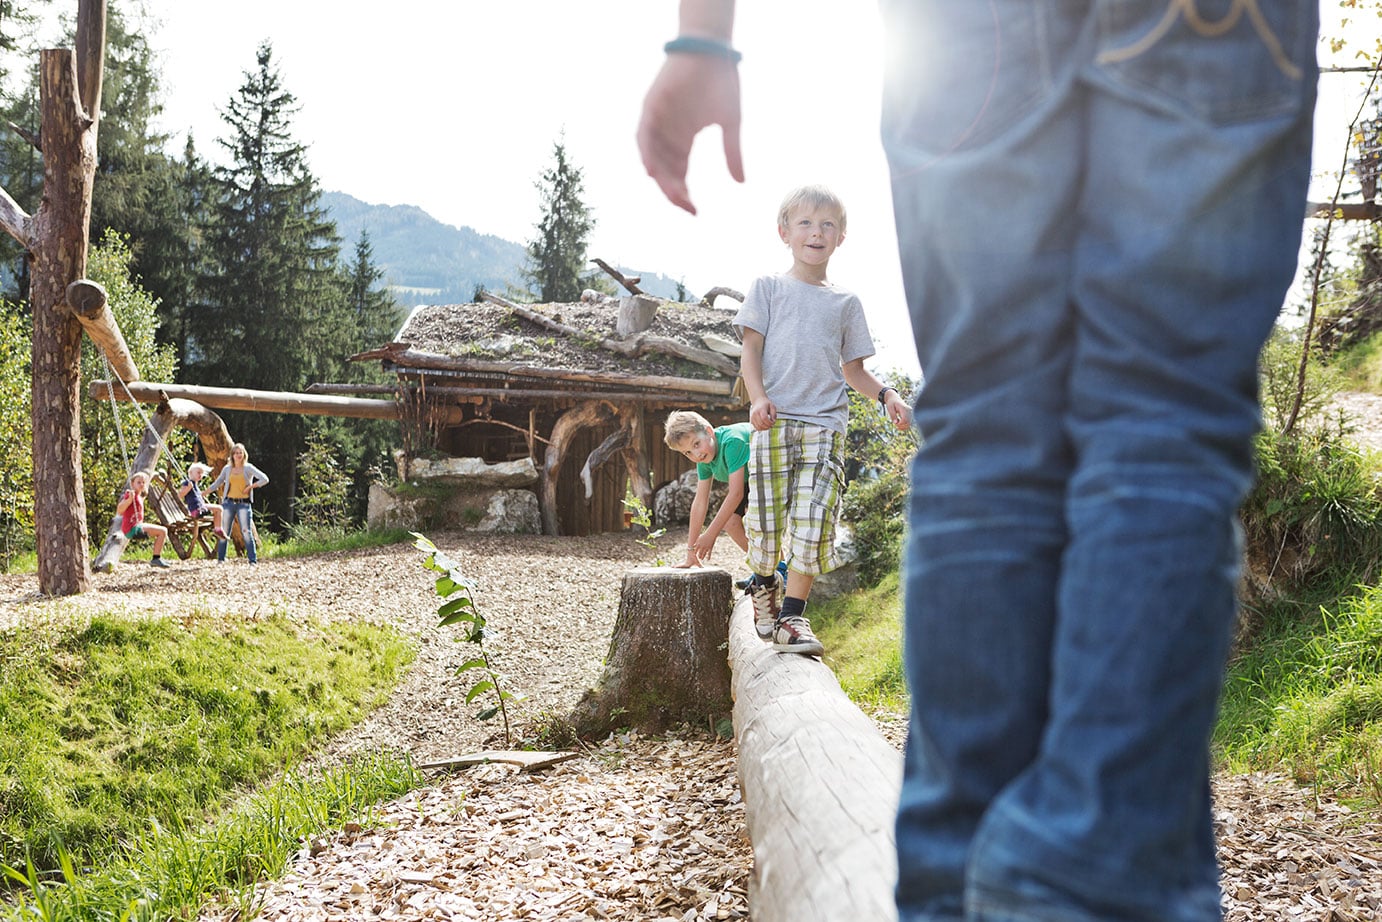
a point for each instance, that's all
(820, 787)
(15, 220)
(1345, 211)
(407, 359)
(571, 422)
(507, 394)
(89, 304)
(233, 398)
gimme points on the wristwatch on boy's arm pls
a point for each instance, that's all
(883, 396)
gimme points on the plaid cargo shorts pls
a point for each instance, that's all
(795, 484)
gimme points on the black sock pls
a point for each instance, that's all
(792, 607)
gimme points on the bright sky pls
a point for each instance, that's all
(453, 106)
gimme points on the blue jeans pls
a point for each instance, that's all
(234, 510)
(1098, 218)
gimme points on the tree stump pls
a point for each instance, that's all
(636, 314)
(820, 787)
(666, 663)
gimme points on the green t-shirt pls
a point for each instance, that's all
(731, 452)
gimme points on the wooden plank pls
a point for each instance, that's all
(526, 761)
(820, 787)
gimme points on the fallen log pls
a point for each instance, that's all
(820, 787)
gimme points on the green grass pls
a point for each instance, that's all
(862, 636)
(1305, 699)
(171, 870)
(1360, 366)
(1308, 699)
(116, 732)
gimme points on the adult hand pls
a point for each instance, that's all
(691, 92)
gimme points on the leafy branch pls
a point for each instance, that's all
(462, 610)
(643, 518)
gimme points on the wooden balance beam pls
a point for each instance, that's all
(820, 787)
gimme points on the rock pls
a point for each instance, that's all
(512, 512)
(672, 503)
(448, 506)
(721, 345)
(470, 472)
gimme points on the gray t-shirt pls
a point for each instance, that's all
(809, 332)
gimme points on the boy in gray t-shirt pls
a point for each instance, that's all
(804, 340)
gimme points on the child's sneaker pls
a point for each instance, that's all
(793, 635)
(766, 604)
(160, 563)
(219, 533)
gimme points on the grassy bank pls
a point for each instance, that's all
(121, 737)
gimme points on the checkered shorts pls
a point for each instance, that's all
(796, 481)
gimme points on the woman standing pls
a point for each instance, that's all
(237, 482)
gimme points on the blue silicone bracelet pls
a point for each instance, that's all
(690, 44)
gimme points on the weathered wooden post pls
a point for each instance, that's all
(666, 661)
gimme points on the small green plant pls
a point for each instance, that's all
(642, 516)
(463, 611)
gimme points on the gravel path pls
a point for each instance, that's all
(634, 828)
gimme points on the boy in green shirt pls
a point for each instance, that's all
(720, 454)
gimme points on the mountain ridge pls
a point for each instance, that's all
(426, 261)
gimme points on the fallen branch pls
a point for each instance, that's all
(628, 283)
(712, 294)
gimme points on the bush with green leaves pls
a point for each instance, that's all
(1313, 519)
(322, 504)
(877, 457)
(16, 441)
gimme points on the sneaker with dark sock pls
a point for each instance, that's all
(160, 563)
(763, 591)
(781, 572)
(793, 635)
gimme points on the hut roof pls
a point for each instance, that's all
(579, 337)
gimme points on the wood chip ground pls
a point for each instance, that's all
(636, 828)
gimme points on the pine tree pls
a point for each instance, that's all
(376, 313)
(556, 256)
(138, 189)
(272, 313)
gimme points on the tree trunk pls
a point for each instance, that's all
(666, 663)
(58, 246)
(571, 422)
(820, 787)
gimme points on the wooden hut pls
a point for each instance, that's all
(582, 389)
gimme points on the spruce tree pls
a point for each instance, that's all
(272, 312)
(556, 256)
(138, 189)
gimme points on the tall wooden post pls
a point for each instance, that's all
(70, 94)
